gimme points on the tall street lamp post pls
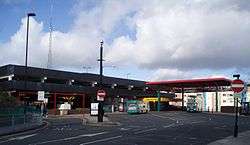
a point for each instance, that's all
(27, 45)
(26, 57)
(27, 37)
(100, 107)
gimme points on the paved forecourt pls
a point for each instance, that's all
(142, 129)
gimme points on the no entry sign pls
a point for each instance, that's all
(237, 85)
(101, 93)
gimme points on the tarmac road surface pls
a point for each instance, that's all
(157, 128)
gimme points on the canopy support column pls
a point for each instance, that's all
(216, 99)
(204, 100)
(182, 99)
(159, 99)
(55, 103)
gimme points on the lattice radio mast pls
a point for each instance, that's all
(50, 63)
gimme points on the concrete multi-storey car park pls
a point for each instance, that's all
(24, 83)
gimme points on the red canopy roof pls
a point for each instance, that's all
(192, 83)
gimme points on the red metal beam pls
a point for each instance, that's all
(192, 83)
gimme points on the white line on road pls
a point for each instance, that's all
(195, 122)
(124, 129)
(170, 125)
(26, 136)
(134, 126)
(70, 138)
(138, 132)
(18, 138)
(101, 140)
(164, 117)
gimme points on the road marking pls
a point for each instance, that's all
(195, 122)
(26, 136)
(164, 117)
(18, 138)
(101, 140)
(69, 138)
(134, 126)
(124, 129)
(143, 131)
(170, 125)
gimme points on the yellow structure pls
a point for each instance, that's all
(154, 99)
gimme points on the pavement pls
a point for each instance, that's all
(242, 139)
(221, 113)
(8, 130)
(93, 120)
(88, 119)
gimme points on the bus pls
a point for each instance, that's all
(137, 106)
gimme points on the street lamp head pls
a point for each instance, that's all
(102, 42)
(236, 76)
(31, 14)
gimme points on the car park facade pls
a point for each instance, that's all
(61, 86)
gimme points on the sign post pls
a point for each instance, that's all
(101, 94)
(237, 87)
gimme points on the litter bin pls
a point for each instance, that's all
(64, 112)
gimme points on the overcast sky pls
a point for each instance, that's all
(146, 40)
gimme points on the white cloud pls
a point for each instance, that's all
(14, 50)
(212, 76)
(70, 50)
(172, 37)
(73, 49)
(175, 74)
(168, 74)
(189, 35)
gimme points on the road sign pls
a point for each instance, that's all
(101, 93)
(237, 85)
(45, 100)
(100, 98)
(94, 109)
(41, 95)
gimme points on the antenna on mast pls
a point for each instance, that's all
(50, 63)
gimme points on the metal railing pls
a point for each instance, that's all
(19, 116)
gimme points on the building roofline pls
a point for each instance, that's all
(78, 74)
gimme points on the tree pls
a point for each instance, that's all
(7, 100)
